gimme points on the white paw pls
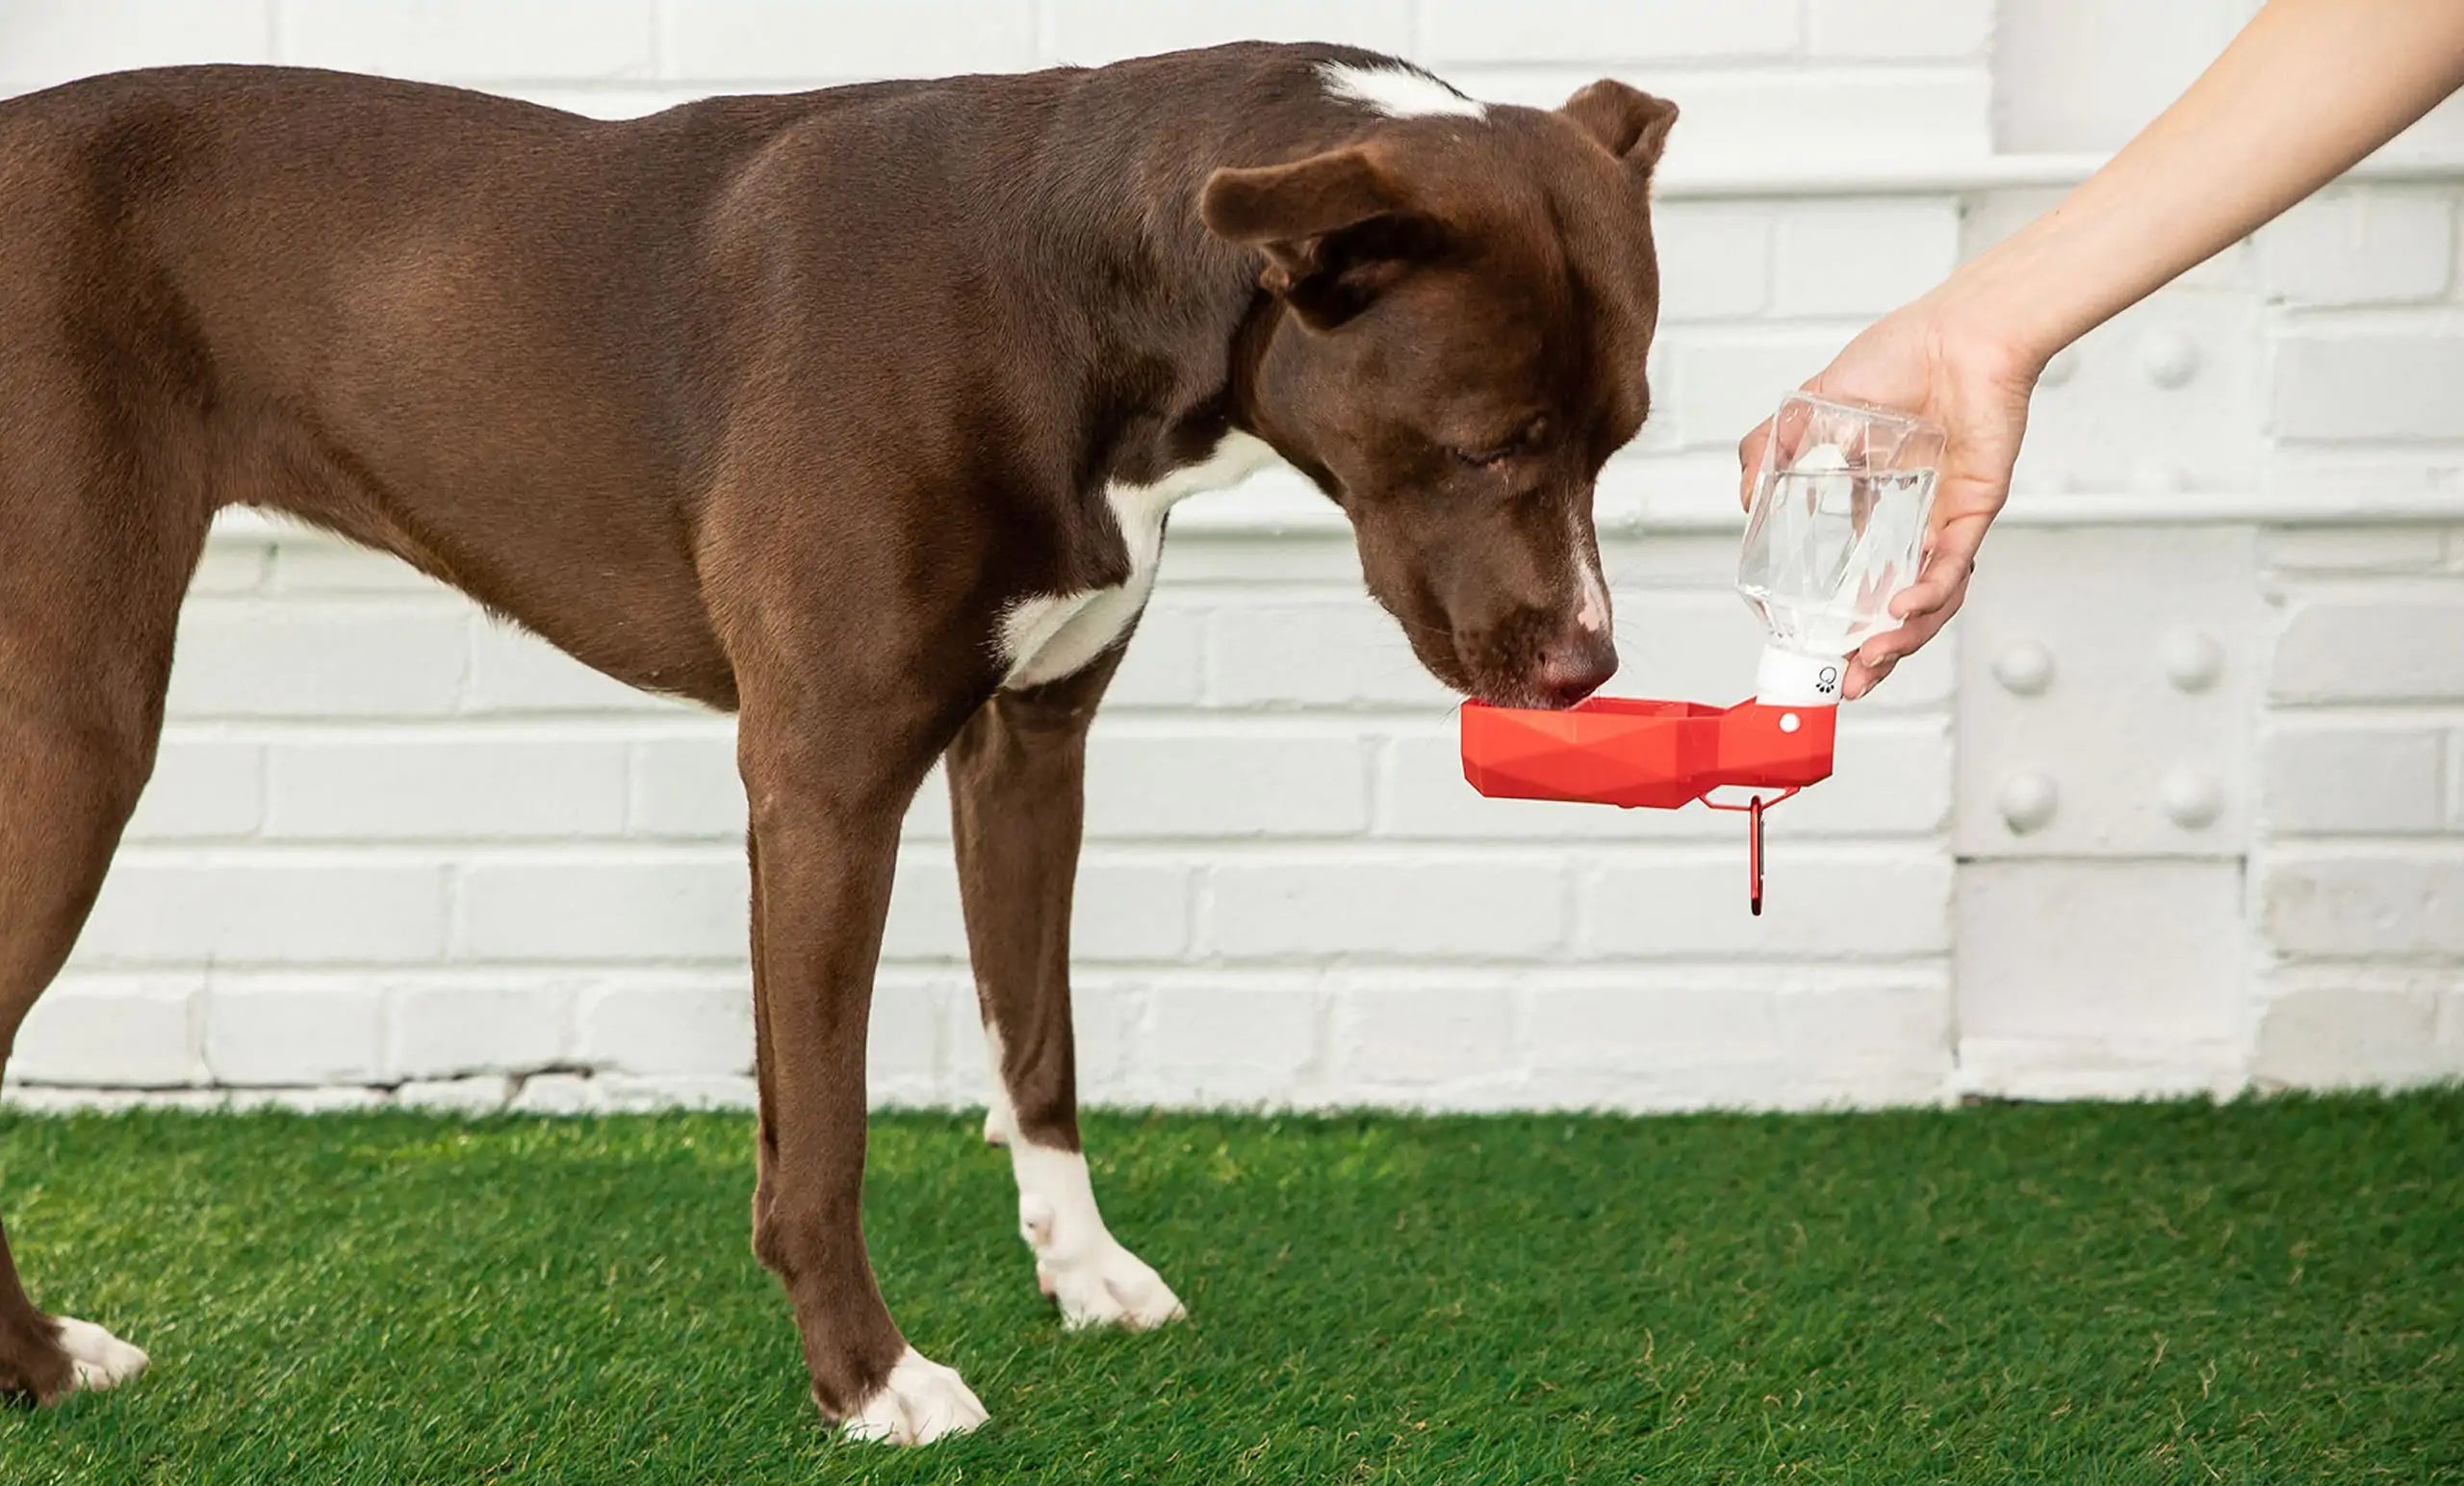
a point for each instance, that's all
(919, 1402)
(1108, 1287)
(101, 1359)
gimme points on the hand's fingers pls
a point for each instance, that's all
(1749, 461)
(1906, 639)
(1863, 677)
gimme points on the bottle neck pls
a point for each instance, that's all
(1787, 678)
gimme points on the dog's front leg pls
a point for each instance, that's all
(1016, 775)
(827, 787)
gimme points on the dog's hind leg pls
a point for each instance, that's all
(1017, 775)
(95, 550)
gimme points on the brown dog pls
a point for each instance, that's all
(857, 412)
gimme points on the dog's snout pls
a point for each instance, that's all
(1579, 663)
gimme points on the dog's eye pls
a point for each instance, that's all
(1482, 459)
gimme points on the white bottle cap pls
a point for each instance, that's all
(1786, 678)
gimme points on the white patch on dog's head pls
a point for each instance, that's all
(1399, 92)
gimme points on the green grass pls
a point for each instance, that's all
(2261, 1291)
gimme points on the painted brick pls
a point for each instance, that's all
(305, 564)
(1749, 118)
(2364, 905)
(1134, 910)
(1714, 261)
(383, 788)
(2370, 649)
(1166, 661)
(1098, 31)
(2352, 549)
(1212, 784)
(1819, 902)
(1321, 652)
(687, 788)
(623, 1093)
(1109, 1012)
(672, 1027)
(1231, 1043)
(1720, 387)
(1856, 257)
(293, 1034)
(844, 38)
(512, 672)
(230, 568)
(590, 907)
(2369, 384)
(299, 659)
(2338, 1032)
(1635, 1022)
(466, 39)
(1890, 30)
(558, 1094)
(43, 43)
(202, 789)
(1415, 1035)
(482, 1094)
(265, 912)
(2356, 780)
(1418, 908)
(2373, 245)
(2075, 948)
(113, 1030)
(435, 1032)
(1574, 31)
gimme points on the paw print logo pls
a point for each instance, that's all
(1827, 681)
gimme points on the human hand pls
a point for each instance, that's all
(1930, 359)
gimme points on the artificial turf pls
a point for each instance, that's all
(2266, 1290)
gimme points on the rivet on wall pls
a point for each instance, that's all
(2192, 798)
(2167, 358)
(2193, 659)
(2024, 669)
(2027, 801)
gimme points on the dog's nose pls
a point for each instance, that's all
(1575, 667)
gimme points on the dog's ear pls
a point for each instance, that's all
(1630, 123)
(1336, 228)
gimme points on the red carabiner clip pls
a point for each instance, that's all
(1754, 856)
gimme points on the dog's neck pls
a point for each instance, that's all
(1182, 321)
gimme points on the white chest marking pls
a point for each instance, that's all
(1399, 92)
(1043, 639)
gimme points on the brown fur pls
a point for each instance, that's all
(776, 403)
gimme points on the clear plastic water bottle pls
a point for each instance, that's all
(1837, 529)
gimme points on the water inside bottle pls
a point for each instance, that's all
(1829, 546)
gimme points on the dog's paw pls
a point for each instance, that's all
(100, 1359)
(919, 1402)
(1105, 1285)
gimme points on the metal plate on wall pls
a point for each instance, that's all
(2108, 683)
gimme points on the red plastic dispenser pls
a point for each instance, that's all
(1837, 529)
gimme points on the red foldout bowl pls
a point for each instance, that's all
(1634, 752)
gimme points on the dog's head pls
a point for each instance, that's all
(1471, 293)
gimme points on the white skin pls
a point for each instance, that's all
(2305, 90)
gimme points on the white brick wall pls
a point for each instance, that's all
(396, 851)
